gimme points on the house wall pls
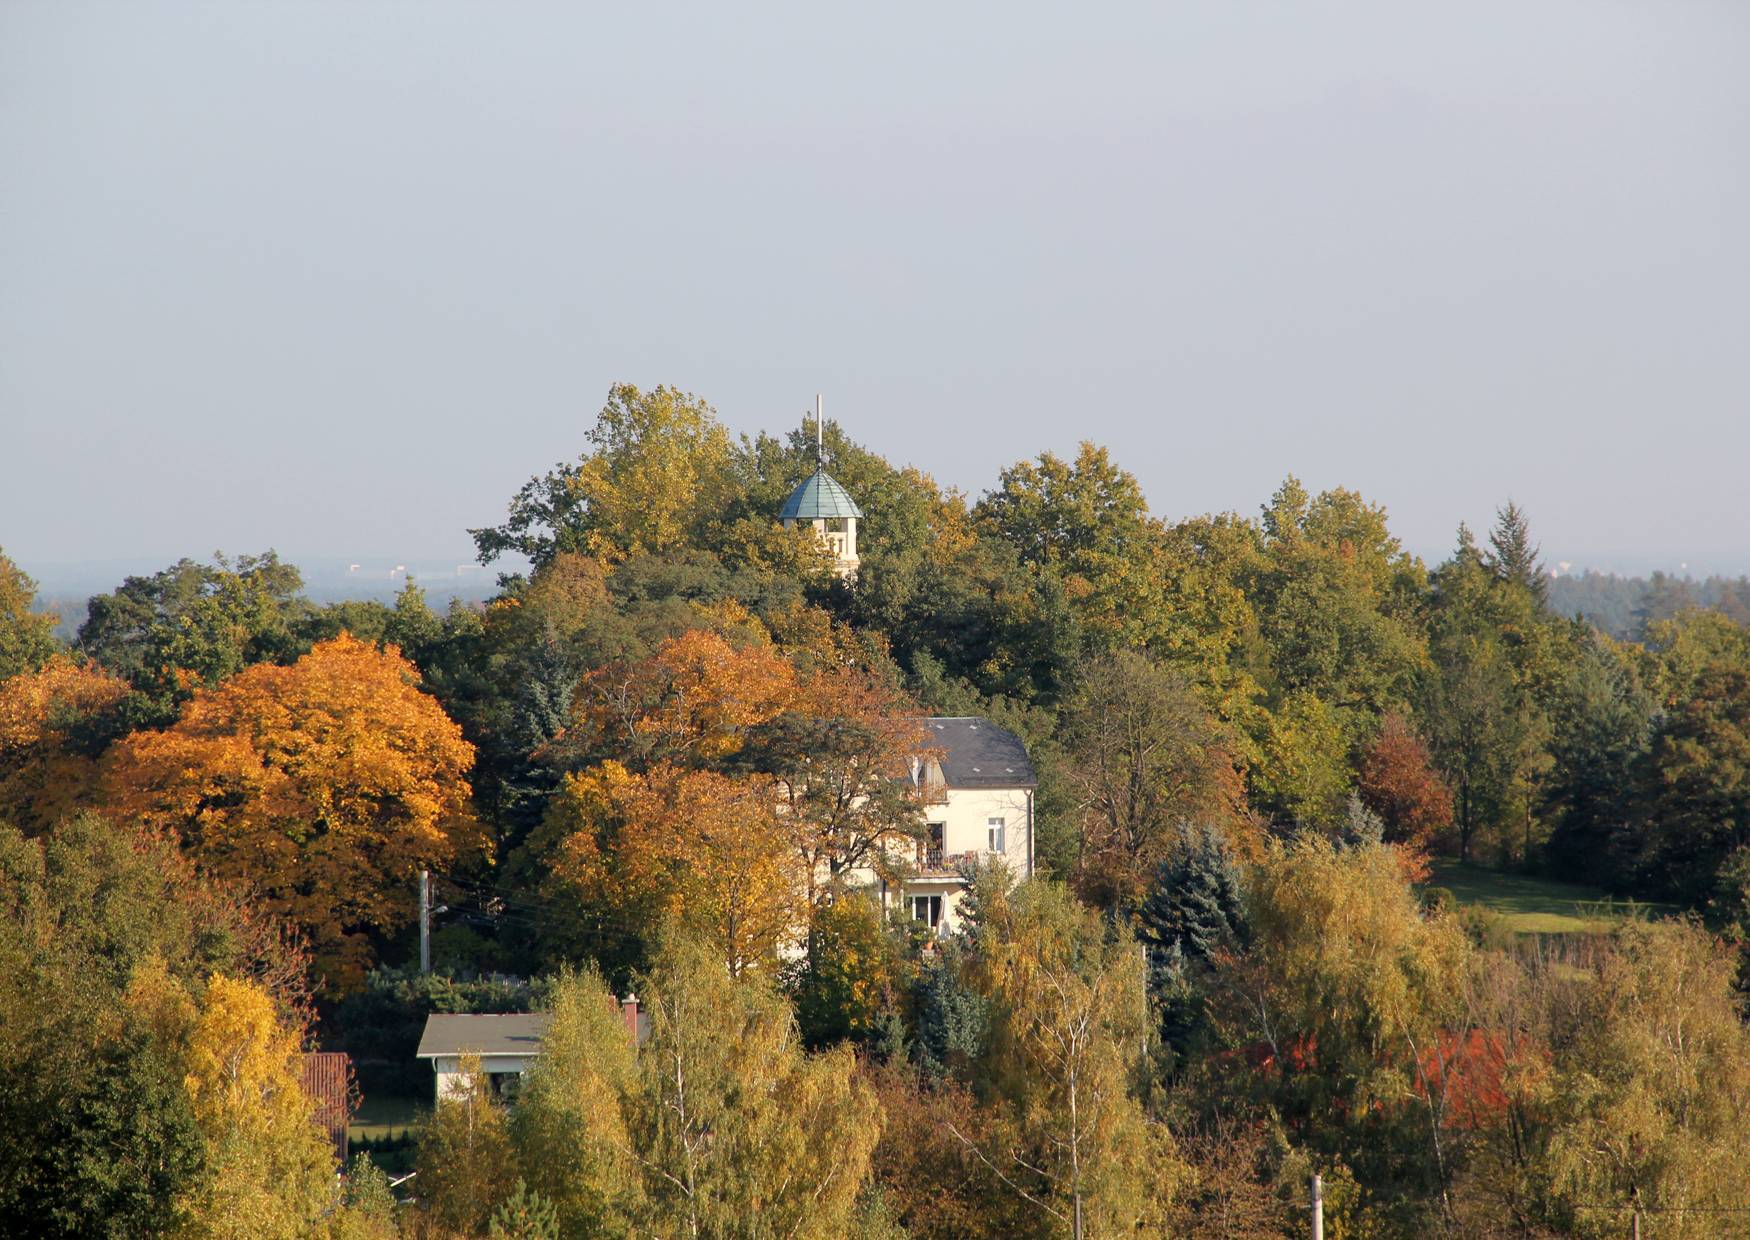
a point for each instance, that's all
(451, 1079)
(965, 818)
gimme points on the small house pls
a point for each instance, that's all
(506, 1044)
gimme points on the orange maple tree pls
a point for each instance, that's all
(1399, 783)
(324, 786)
(691, 848)
(49, 733)
(692, 701)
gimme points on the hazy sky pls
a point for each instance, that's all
(337, 277)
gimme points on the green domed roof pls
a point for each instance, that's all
(820, 495)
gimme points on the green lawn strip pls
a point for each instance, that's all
(387, 1115)
(1528, 905)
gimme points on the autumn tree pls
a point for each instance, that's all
(324, 786)
(271, 1170)
(54, 722)
(1143, 758)
(692, 701)
(658, 465)
(1070, 1014)
(1651, 1080)
(1399, 783)
(27, 638)
(853, 975)
(696, 850)
(465, 1161)
(1344, 994)
(837, 760)
(719, 1112)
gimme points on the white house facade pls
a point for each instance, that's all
(976, 791)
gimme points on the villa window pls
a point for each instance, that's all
(927, 909)
(995, 826)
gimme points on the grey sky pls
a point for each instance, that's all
(336, 278)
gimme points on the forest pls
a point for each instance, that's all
(650, 761)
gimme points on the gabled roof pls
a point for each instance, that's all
(503, 1033)
(976, 753)
(820, 495)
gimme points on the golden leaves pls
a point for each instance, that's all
(45, 773)
(325, 785)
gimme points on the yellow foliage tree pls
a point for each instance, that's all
(1072, 1016)
(465, 1166)
(270, 1171)
(720, 1125)
(326, 786)
(1651, 1087)
(47, 770)
(661, 465)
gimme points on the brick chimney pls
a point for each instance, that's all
(629, 1011)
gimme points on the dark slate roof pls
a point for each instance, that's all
(507, 1033)
(978, 754)
(820, 495)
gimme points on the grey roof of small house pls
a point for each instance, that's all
(976, 753)
(820, 495)
(503, 1033)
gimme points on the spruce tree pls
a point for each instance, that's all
(1194, 909)
(1514, 556)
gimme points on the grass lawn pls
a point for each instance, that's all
(386, 1115)
(1528, 905)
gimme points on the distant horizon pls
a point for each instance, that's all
(325, 571)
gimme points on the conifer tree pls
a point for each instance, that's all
(1514, 557)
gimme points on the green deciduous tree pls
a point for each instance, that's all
(27, 638)
(194, 624)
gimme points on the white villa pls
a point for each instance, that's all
(977, 796)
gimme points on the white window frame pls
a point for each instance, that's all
(931, 906)
(997, 835)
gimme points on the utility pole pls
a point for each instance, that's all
(425, 921)
(1318, 1207)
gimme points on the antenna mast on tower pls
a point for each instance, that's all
(819, 435)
